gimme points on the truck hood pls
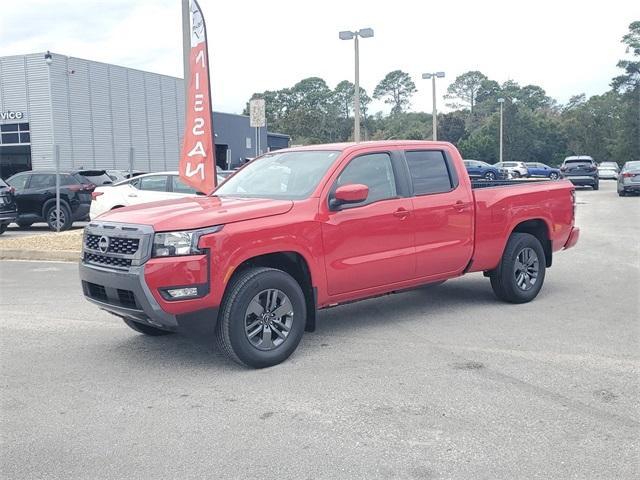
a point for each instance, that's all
(196, 212)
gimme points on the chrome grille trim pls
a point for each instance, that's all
(129, 245)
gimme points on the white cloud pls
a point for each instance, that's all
(565, 47)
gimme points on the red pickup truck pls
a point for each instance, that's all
(303, 229)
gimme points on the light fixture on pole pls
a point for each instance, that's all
(434, 113)
(349, 35)
(501, 102)
(57, 221)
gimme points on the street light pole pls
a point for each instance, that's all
(55, 150)
(434, 112)
(501, 102)
(349, 35)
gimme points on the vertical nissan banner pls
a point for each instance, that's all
(197, 159)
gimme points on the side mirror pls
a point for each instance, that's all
(352, 193)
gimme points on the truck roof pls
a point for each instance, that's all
(362, 145)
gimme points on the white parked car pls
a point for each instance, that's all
(608, 170)
(150, 187)
(514, 169)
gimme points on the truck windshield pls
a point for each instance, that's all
(287, 175)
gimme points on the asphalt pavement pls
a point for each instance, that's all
(13, 230)
(439, 383)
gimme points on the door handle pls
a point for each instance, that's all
(132, 195)
(460, 206)
(401, 213)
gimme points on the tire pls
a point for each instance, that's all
(146, 329)
(553, 176)
(241, 331)
(490, 176)
(516, 174)
(3, 227)
(65, 214)
(622, 193)
(596, 186)
(24, 223)
(504, 280)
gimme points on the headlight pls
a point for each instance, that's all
(171, 244)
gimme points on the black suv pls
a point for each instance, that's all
(35, 193)
(581, 170)
(8, 210)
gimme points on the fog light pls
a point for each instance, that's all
(183, 292)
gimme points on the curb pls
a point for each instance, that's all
(57, 255)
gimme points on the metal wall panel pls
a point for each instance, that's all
(155, 122)
(170, 122)
(138, 119)
(79, 111)
(39, 111)
(13, 86)
(120, 115)
(101, 114)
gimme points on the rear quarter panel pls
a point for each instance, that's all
(500, 209)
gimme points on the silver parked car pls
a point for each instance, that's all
(629, 178)
(514, 169)
(608, 170)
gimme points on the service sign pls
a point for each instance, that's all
(257, 113)
(11, 115)
(197, 161)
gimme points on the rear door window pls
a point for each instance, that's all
(154, 183)
(178, 186)
(429, 172)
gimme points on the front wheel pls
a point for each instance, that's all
(520, 275)
(262, 318)
(553, 176)
(490, 176)
(516, 174)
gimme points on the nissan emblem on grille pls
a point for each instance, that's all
(103, 244)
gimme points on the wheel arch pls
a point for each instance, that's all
(52, 202)
(296, 265)
(539, 229)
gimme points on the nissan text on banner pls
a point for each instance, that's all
(197, 161)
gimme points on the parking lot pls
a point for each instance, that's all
(441, 382)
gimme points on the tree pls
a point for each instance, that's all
(343, 97)
(464, 89)
(631, 78)
(397, 89)
(451, 126)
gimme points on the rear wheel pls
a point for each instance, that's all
(622, 193)
(262, 318)
(596, 186)
(520, 275)
(553, 176)
(63, 220)
(516, 174)
(490, 176)
(146, 329)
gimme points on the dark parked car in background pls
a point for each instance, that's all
(629, 178)
(478, 169)
(35, 194)
(541, 170)
(582, 170)
(8, 209)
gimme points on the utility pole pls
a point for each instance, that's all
(501, 102)
(434, 112)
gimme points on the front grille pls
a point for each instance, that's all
(97, 291)
(127, 298)
(109, 261)
(127, 246)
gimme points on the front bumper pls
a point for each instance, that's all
(127, 295)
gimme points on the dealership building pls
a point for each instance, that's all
(103, 116)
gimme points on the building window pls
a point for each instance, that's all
(15, 134)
